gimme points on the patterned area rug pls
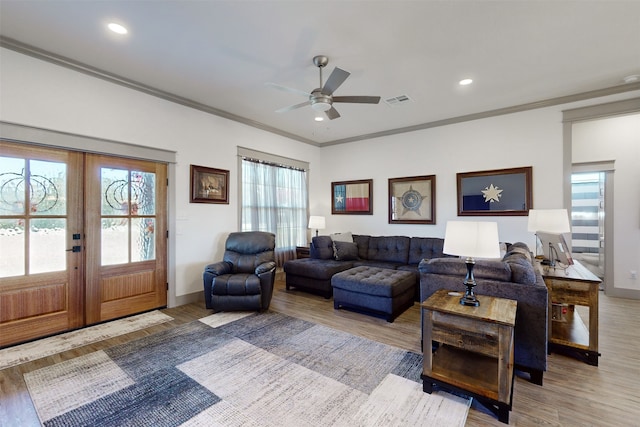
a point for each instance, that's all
(12, 356)
(257, 370)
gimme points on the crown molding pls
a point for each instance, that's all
(41, 54)
(62, 61)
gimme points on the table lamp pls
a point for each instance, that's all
(471, 240)
(316, 222)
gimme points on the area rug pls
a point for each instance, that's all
(259, 370)
(12, 356)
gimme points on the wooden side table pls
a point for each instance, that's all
(569, 287)
(302, 252)
(475, 351)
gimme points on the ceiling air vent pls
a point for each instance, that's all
(397, 101)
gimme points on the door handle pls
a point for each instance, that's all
(75, 249)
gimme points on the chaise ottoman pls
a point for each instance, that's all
(382, 292)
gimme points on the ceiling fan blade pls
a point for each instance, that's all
(332, 113)
(337, 77)
(287, 89)
(293, 107)
(357, 99)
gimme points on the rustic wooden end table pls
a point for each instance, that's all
(474, 355)
(569, 287)
(302, 252)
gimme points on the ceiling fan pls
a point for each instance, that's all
(321, 98)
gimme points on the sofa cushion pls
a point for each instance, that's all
(321, 247)
(518, 257)
(518, 250)
(316, 268)
(524, 274)
(345, 251)
(484, 269)
(393, 249)
(363, 245)
(425, 247)
(236, 284)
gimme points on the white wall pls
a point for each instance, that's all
(40, 94)
(532, 138)
(617, 139)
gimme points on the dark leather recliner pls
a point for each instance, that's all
(244, 279)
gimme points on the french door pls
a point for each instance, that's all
(82, 239)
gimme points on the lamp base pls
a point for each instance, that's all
(470, 299)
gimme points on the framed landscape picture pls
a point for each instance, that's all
(352, 197)
(495, 192)
(209, 185)
(412, 200)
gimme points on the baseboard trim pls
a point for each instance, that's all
(189, 299)
(622, 293)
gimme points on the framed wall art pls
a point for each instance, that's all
(352, 197)
(495, 192)
(412, 200)
(209, 185)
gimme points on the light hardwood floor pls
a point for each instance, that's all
(574, 393)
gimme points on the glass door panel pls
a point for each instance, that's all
(128, 215)
(12, 261)
(33, 209)
(40, 280)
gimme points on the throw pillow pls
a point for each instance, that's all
(345, 251)
(342, 237)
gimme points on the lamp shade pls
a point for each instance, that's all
(472, 239)
(548, 220)
(316, 222)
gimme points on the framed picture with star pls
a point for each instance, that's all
(495, 192)
(412, 200)
(352, 197)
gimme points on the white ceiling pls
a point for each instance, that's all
(221, 53)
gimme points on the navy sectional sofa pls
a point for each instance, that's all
(314, 274)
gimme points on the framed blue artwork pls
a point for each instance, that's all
(495, 192)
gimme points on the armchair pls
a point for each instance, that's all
(244, 279)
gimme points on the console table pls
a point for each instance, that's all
(569, 287)
(474, 355)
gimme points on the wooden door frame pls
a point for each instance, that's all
(99, 307)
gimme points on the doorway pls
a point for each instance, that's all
(588, 220)
(82, 239)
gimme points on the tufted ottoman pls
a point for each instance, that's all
(381, 292)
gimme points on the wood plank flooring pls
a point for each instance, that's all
(574, 393)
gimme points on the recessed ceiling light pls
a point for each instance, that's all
(117, 28)
(319, 118)
(465, 82)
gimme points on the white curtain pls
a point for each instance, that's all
(274, 199)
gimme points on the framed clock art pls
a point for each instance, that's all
(412, 200)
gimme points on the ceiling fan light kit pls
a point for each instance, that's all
(321, 98)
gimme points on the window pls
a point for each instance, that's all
(274, 199)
